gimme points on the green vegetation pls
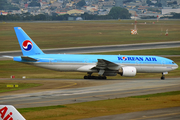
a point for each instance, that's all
(158, 94)
(119, 13)
(4, 88)
(103, 107)
(34, 109)
(34, 3)
(9, 68)
(88, 33)
(163, 51)
(81, 3)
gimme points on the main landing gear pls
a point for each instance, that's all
(95, 77)
(89, 76)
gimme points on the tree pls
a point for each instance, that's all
(40, 17)
(119, 13)
(81, 3)
(148, 2)
(34, 4)
(159, 4)
(176, 15)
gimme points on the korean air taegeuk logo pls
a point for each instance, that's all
(27, 45)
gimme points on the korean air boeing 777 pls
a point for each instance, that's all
(104, 65)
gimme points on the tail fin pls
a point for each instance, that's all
(27, 45)
(8, 112)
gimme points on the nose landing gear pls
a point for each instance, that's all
(163, 75)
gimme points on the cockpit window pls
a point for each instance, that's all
(173, 63)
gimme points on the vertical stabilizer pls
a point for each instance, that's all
(27, 45)
(9, 112)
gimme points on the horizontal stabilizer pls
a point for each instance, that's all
(26, 58)
(8, 56)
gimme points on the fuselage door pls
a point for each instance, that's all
(85, 60)
(51, 61)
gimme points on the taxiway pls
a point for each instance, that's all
(110, 90)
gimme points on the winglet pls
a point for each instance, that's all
(9, 112)
(27, 45)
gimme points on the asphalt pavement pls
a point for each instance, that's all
(118, 89)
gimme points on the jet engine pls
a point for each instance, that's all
(127, 71)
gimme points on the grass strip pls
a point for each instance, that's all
(104, 107)
(24, 110)
(4, 88)
(163, 51)
(158, 94)
(74, 34)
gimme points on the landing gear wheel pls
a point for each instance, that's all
(95, 77)
(88, 76)
(85, 77)
(163, 75)
(102, 77)
(162, 78)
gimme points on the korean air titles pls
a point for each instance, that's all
(137, 58)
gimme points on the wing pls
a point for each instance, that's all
(101, 66)
(106, 65)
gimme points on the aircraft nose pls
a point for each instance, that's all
(175, 67)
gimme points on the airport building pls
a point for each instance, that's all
(169, 11)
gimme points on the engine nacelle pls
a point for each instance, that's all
(127, 71)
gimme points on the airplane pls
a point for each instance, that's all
(9, 112)
(104, 65)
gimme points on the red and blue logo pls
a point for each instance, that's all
(124, 58)
(27, 45)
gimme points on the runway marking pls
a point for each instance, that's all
(76, 98)
(156, 116)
